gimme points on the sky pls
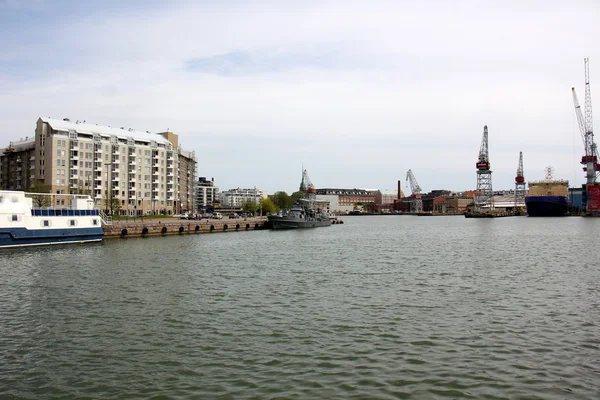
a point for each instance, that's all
(355, 92)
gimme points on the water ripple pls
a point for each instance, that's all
(380, 307)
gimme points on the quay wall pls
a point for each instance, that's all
(153, 227)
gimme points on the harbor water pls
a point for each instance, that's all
(381, 307)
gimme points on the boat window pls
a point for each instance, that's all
(72, 222)
(15, 218)
(94, 222)
(45, 222)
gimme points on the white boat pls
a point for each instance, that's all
(22, 224)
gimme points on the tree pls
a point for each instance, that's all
(267, 205)
(282, 200)
(39, 200)
(114, 205)
(300, 194)
(249, 205)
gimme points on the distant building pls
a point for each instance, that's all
(207, 194)
(452, 204)
(235, 198)
(187, 178)
(17, 165)
(345, 200)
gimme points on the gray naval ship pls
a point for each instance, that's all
(301, 215)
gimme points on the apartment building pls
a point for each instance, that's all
(128, 171)
(235, 198)
(17, 165)
(206, 194)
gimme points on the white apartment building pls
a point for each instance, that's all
(235, 198)
(140, 171)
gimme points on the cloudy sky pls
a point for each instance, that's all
(357, 92)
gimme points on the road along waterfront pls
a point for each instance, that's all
(379, 307)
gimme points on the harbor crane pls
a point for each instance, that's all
(416, 204)
(307, 186)
(519, 185)
(590, 158)
(484, 197)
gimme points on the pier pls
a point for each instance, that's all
(171, 226)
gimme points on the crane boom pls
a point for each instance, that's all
(414, 186)
(519, 186)
(578, 113)
(306, 185)
(483, 162)
(484, 198)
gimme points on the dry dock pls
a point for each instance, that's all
(171, 226)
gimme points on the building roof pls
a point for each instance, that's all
(105, 131)
(361, 192)
(22, 144)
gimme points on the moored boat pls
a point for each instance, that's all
(301, 215)
(546, 206)
(547, 198)
(22, 224)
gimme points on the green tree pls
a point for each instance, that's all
(282, 200)
(249, 205)
(267, 205)
(300, 194)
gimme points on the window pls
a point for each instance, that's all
(14, 218)
(72, 222)
(46, 223)
(94, 222)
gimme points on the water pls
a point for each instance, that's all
(379, 307)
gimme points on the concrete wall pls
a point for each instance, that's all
(120, 229)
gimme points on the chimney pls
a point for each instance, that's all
(399, 189)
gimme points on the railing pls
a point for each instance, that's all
(106, 219)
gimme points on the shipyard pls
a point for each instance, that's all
(299, 200)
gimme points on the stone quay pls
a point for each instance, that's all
(172, 226)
